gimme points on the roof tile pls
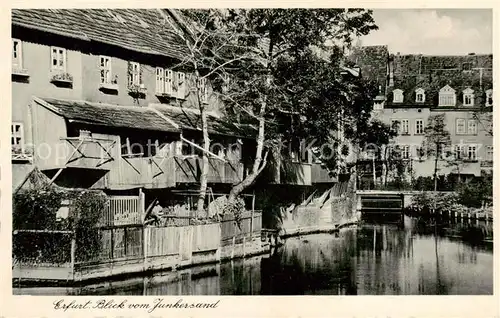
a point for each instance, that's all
(132, 117)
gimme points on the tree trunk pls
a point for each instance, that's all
(374, 172)
(436, 167)
(258, 164)
(204, 166)
(206, 148)
(384, 168)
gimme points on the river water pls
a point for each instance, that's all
(364, 260)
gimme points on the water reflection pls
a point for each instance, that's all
(367, 260)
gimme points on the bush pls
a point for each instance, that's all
(474, 193)
(37, 208)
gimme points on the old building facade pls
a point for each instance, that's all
(415, 87)
(121, 106)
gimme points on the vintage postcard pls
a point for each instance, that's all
(164, 159)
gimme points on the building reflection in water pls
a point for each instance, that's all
(367, 260)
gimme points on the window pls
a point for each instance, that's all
(105, 68)
(170, 83)
(405, 152)
(17, 136)
(419, 127)
(226, 83)
(17, 54)
(398, 96)
(459, 152)
(378, 106)
(202, 86)
(472, 152)
(468, 97)
(489, 153)
(405, 127)
(180, 85)
(396, 125)
(447, 96)
(489, 97)
(460, 126)
(58, 59)
(160, 84)
(134, 74)
(420, 95)
(472, 127)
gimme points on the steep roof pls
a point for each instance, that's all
(190, 119)
(432, 73)
(98, 114)
(151, 31)
(372, 61)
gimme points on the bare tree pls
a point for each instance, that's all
(256, 49)
(437, 138)
(212, 47)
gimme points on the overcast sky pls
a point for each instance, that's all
(433, 31)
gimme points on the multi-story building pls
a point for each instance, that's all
(101, 99)
(415, 87)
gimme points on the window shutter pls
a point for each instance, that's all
(140, 74)
(53, 58)
(130, 74)
(169, 83)
(181, 82)
(160, 85)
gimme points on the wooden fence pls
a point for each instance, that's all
(250, 224)
(123, 210)
(129, 242)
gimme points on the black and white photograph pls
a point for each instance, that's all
(251, 151)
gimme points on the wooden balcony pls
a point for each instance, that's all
(224, 172)
(320, 174)
(295, 173)
(188, 170)
(147, 172)
(76, 152)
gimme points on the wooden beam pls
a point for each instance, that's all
(55, 176)
(201, 148)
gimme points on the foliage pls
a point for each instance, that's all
(436, 139)
(476, 192)
(62, 77)
(235, 208)
(36, 208)
(282, 76)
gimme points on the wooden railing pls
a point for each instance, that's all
(123, 210)
(295, 173)
(77, 152)
(147, 172)
(320, 174)
(251, 224)
(188, 170)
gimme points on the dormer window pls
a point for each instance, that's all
(447, 96)
(420, 95)
(468, 97)
(398, 96)
(489, 97)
